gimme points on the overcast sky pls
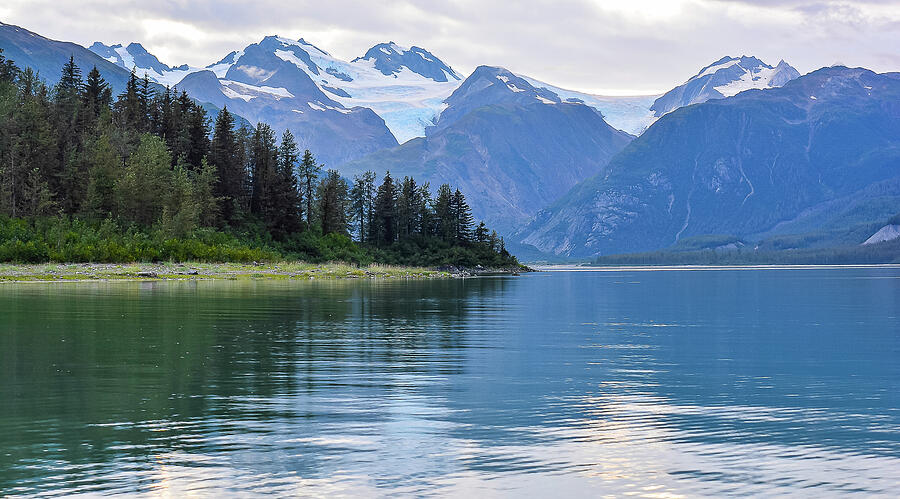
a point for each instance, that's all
(601, 46)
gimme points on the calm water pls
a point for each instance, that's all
(658, 384)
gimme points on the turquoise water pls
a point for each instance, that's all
(725, 382)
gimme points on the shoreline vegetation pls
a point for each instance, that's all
(148, 176)
(200, 271)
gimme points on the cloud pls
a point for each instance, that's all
(618, 46)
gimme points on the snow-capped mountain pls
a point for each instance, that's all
(270, 82)
(724, 78)
(135, 57)
(404, 86)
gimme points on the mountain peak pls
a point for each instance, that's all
(391, 59)
(724, 78)
(133, 56)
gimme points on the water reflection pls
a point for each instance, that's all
(649, 384)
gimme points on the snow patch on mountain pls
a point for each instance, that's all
(631, 114)
(886, 233)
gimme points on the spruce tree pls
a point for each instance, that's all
(8, 70)
(426, 215)
(384, 224)
(408, 208)
(463, 218)
(197, 131)
(97, 95)
(481, 233)
(226, 157)
(284, 197)
(263, 156)
(333, 201)
(444, 217)
(308, 171)
(69, 178)
(362, 201)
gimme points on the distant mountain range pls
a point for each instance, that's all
(741, 151)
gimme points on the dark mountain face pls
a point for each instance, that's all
(751, 165)
(510, 147)
(390, 59)
(47, 56)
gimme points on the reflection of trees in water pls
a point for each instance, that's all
(87, 368)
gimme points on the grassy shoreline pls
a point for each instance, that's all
(189, 271)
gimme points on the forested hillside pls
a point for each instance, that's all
(145, 175)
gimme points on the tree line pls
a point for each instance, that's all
(151, 158)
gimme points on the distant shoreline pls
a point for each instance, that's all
(651, 268)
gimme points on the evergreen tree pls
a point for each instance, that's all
(128, 106)
(225, 156)
(284, 216)
(263, 162)
(97, 96)
(426, 215)
(463, 220)
(384, 224)
(68, 179)
(8, 70)
(362, 202)
(481, 233)
(334, 204)
(308, 172)
(197, 131)
(129, 122)
(68, 90)
(408, 208)
(444, 217)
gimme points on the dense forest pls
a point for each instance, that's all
(147, 175)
